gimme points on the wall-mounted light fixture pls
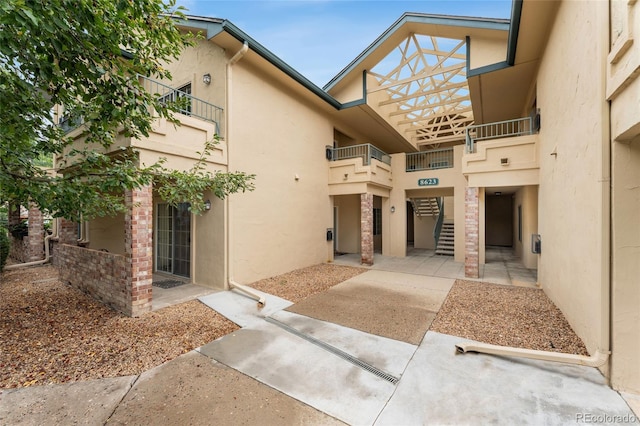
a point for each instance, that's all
(207, 205)
(393, 209)
(498, 193)
(206, 79)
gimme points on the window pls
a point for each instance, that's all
(178, 96)
(377, 221)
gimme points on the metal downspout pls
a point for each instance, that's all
(597, 360)
(47, 256)
(231, 284)
(601, 357)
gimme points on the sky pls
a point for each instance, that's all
(318, 38)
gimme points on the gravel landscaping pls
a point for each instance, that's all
(509, 316)
(53, 333)
(297, 285)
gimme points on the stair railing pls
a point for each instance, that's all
(437, 229)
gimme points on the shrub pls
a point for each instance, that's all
(20, 229)
(4, 247)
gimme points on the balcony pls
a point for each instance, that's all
(353, 169)
(180, 146)
(189, 105)
(429, 160)
(365, 151)
(505, 153)
(501, 129)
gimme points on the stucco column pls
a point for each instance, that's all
(471, 232)
(36, 234)
(366, 229)
(139, 249)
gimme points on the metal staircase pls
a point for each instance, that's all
(445, 242)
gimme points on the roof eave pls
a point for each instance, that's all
(214, 26)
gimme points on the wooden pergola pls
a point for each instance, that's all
(425, 78)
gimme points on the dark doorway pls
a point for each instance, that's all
(499, 220)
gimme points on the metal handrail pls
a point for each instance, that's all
(365, 151)
(499, 129)
(437, 229)
(429, 160)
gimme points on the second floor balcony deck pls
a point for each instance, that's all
(504, 152)
(429, 160)
(352, 168)
(501, 129)
(188, 105)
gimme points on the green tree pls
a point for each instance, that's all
(4, 246)
(85, 55)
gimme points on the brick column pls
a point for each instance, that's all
(366, 229)
(14, 214)
(16, 249)
(471, 232)
(139, 249)
(35, 242)
(68, 232)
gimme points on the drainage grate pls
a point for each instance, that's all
(349, 358)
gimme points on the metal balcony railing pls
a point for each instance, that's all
(500, 129)
(69, 122)
(188, 104)
(430, 160)
(365, 151)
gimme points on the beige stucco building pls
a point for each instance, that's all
(522, 133)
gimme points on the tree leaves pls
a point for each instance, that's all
(70, 52)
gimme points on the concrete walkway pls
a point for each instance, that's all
(501, 267)
(286, 366)
(390, 382)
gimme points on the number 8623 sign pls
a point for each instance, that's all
(428, 182)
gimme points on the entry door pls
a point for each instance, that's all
(173, 239)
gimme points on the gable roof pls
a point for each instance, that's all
(458, 27)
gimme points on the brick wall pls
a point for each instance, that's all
(123, 283)
(471, 232)
(99, 274)
(18, 249)
(366, 229)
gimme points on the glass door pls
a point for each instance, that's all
(173, 239)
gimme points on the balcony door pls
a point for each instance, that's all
(173, 239)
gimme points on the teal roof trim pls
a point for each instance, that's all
(512, 44)
(448, 20)
(514, 30)
(488, 68)
(482, 70)
(215, 26)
